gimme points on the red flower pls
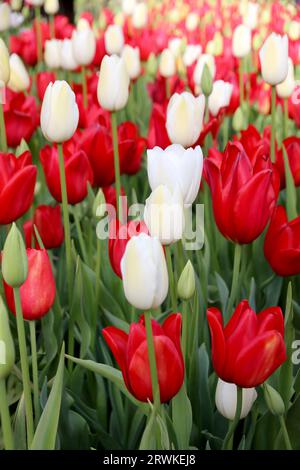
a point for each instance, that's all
(250, 347)
(24, 44)
(17, 182)
(42, 80)
(38, 291)
(131, 353)
(119, 236)
(78, 172)
(48, 222)
(282, 244)
(244, 191)
(292, 146)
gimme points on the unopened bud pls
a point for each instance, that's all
(186, 282)
(99, 206)
(238, 120)
(206, 81)
(14, 259)
(274, 401)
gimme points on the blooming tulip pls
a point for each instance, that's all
(48, 222)
(52, 53)
(114, 39)
(185, 118)
(84, 46)
(59, 114)
(19, 78)
(113, 85)
(241, 41)
(131, 353)
(67, 59)
(131, 56)
(51, 7)
(176, 166)
(140, 15)
(38, 291)
(4, 17)
(251, 346)
(292, 147)
(167, 64)
(282, 244)
(226, 399)
(144, 272)
(286, 88)
(4, 64)
(220, 96)
(274, 59)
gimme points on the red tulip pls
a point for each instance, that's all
(42, 81)
(131, 353)
(17, 182)
(282, 244)
(38, 291)
(48, 222)
(244, 191)
(78, 172)
(292, 146)
(119, 236)
(250, 347)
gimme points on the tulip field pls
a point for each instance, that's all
(150, 225)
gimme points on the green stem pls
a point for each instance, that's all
(273, 125)
(171, 278)
(184, 330)
(5, 418)
(285, 118)
(206, 113)
(228, 441)
(80, 236)
(114, 129)
(2, 129)
(97, 270)
(285, 433)
(152, 361)
(35, 376)
(225, 131)
(235, 278)
(52, 27)
(37, 10)
(84, 87)
(241, 82)
(24, 366)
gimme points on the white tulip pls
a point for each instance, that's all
(16, 19)
(185, 118)
(167, 64)
(128, 6)
(131, 56)
(59, 113)
(51, 7)
(164, 214)
(207, 59)
(176, 46)
(4, 16)
(220, 96)
(36, 3)
(84, 46)
(82, 24)
(114, 39)
(52, 54)
(176, 167)
(226, 399)
(144, 272)
(286, 88)
(274, 59)
(19, 77)
(192, 21)
(250, 18)
(191, 54)
(4, 64)
(294, 30)
(140, 15)
(241, 41)
(113, 84)
(16, 5)
(67, 58)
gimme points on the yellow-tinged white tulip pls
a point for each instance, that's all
(191, 54)
(241, 41)
(140, 15)
(192, 21)
(114, 39)
(4, 16)
(250, 18)
(16, 5)
(52, 54)
(167, 64)
(176, 46)
(84, 46)
(176, 167)
(286, 88)
(207, 59)
(164, 214)
(128, 6)
(59, 113)
(4, 64)
(144, 272)
(274, 59)
(113, 84)
(294, 30)
(220, 96)
(51, 7)
(226, 399)
(19, 77)
(67, 58)
(185, 118)
(131, 56)
(82, 24)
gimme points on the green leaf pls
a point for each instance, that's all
(182, 418)
(23, 147)
(291, 195)
(148, 441)
(286, 371)
(20, 426)
(46, 432)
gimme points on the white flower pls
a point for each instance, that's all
(220, 96)
(192, 21)
(226, 399)
(241, 41)
(84, 46)
(191, 54)
(131, 56)
(52, 54)
(4, 16)
(51, 7)
(113, 84)
(207, 59)
(19, 77)
(114, 39)
(167, 64)
(4, 64)
(274, 59)
(67, 58)
(128, 6)
(140, 15)
(286, 88)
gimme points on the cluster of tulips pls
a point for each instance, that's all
(150, 236)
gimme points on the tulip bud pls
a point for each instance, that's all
(59, 114)
(186, 283)
(51, 7)
(7, 348)
(114, 39)
(14, 259)
(167, 64)
(99, 205)
(131, 56)
(220, 96)
(84, 46)
(241, 41)
(286, 88)
(207, 59)
(67, 59)
(273, 400)
(176, 46)
(52, 54)
(4, 16)
(143, 263)
(152, 65)
(238, 120)
(206, 81)
(113, 85)
(140, 15)
(4, 64)
(128, 6)
(19, 78)
(274, 59)
(226, 399)
(185, 118)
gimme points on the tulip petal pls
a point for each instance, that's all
(271, 319)
(218, 340)
(116, 340)
(172, 329)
